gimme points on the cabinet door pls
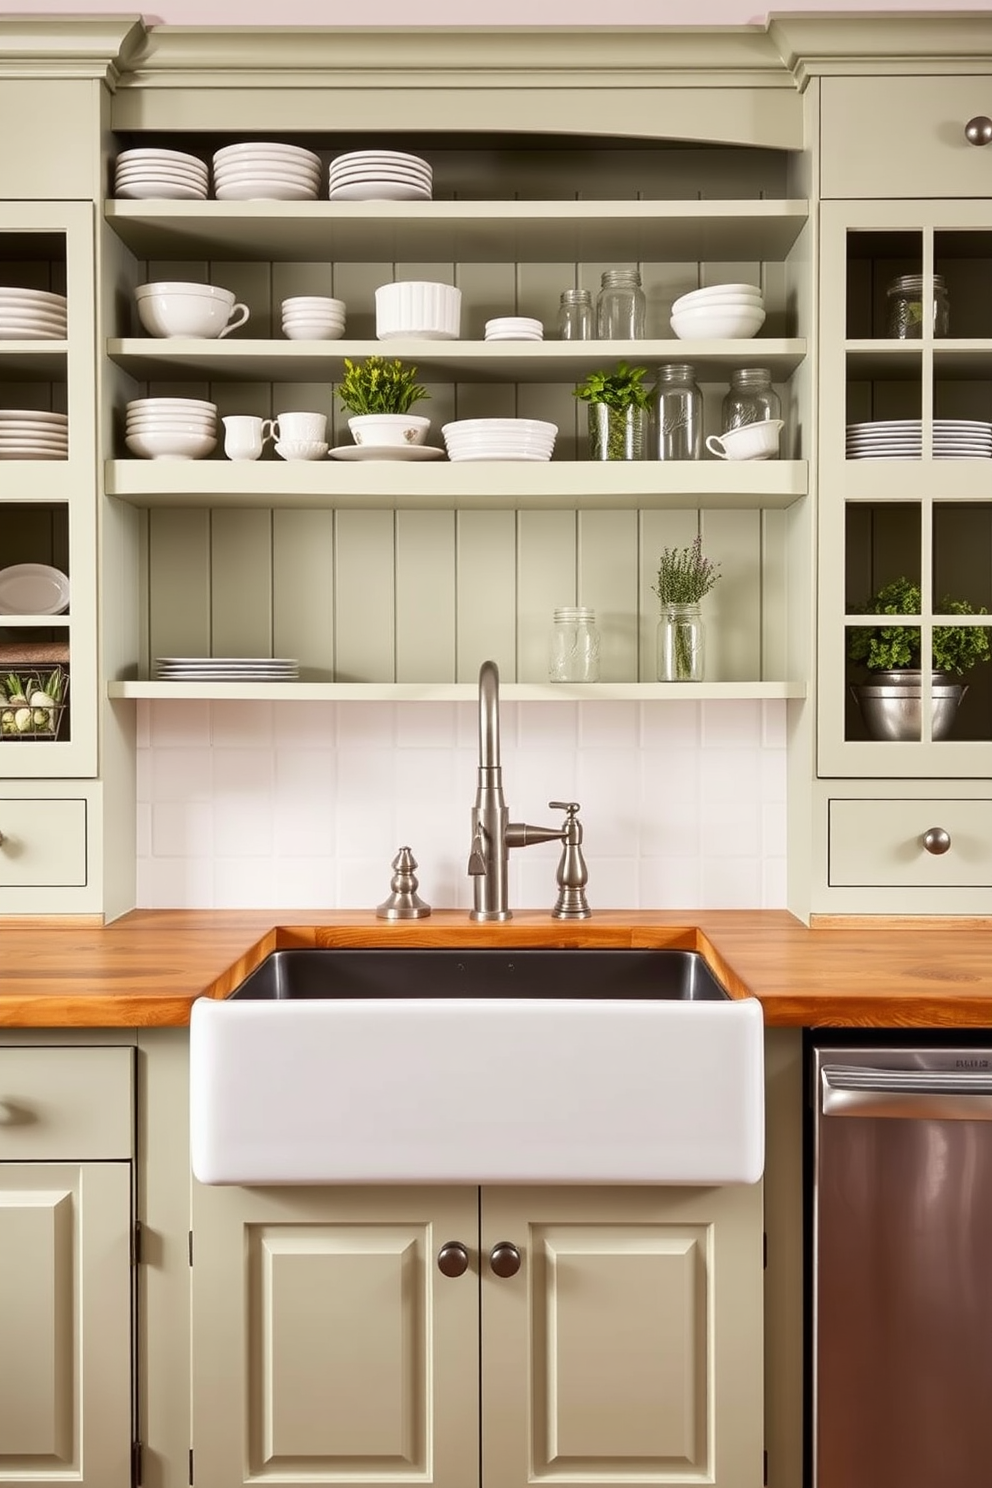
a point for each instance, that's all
(65, 1324)
(327, 1345)
(628, 1346)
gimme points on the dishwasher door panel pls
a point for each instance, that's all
(902, 1301)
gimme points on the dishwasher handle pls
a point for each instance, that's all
(907, 1094)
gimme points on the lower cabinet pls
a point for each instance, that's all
(457, 1336)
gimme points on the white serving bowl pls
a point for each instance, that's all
(415, 307)
(723, 322)
(281, 170)
(495, 425)
(199, 421)
(317, 330)
(378, 429)
(170, 445)
(171, 405)
(694, 297)
(264, 188)
(314, 304)
(175, 310)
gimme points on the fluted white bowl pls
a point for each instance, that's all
(416, 307)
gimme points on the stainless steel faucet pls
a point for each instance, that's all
(493, 834)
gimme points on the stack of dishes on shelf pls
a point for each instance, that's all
(500, 439)
(266, 172)
(31, 434)
(313, 318)
(723, 311)
(379, 175)
(170, 175)
(514, 328)
(902, 439)
(227, 669)
(32, 315)
(171, 428)
(33, 589)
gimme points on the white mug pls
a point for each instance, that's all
(300, 428)
(245, 435)
(758, 441)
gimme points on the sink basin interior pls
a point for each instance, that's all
(665, 974)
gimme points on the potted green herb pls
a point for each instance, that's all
(685, 576)
(618, 404)
(891, 698)
(380, 393)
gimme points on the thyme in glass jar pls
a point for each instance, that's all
(684, 575)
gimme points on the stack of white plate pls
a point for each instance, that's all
(32, 315)
(30, 434)
(722, 311)
(266, 172)
(902, 439)
(171, 428)
(379, 175)
(514, 328)
(170, 175)
(500, 439)
(226, 669)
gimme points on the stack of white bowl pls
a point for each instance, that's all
(266, 172)
(313, 318)
(724, 311)
(418, 307)
(33, 434)
(379, 175)
(499, 439)
(514, 328)
(170, 175)
(171, 428)
(32, 315)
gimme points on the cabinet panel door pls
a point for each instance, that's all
(65, 1324)
(628, 1346)
(327, 1346)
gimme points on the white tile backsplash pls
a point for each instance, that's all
(303, 806)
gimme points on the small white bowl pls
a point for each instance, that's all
(320, 304)
(694, 297)
(301, 449)
(171, 405)
(414, 307)
(172, 445)
(378, 429)
(137, 424)
(723, 322)
(318, 330)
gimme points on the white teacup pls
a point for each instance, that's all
(300, 428)
(203, 311)
(758, 441)
(245, 435)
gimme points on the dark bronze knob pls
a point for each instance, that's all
(452, 1259)
(978, 131)
(936, 841)
(504, 1259)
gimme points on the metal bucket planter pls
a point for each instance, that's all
(892, 705)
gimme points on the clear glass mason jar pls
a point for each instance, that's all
(680, 643)
(676, 414)
(616, 433)
(621, 307)
(905, 318)
(575, 315)
(751, 399)
(573, 654)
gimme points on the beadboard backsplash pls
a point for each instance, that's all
(304, 805)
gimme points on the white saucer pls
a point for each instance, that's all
(386, 452)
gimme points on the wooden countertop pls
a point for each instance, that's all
(146, 969)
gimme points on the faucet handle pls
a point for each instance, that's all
(569, 807)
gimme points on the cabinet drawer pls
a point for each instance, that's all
(904, 136)
(66, 1104)
(879, 844)
(42, 843)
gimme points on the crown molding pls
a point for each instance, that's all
(67, 46)
(813, 44)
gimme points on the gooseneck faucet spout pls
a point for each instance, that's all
(493, 834)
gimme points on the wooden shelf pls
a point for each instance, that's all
(461, 486)
(461, 231)
(33, 361)
(234, 360)
(956, 359)
(446, 692)
(38, 480)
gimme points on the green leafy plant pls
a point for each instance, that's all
(379, 386)
(684, 575)
(620, 389)
(883, 648)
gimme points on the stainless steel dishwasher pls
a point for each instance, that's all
(901, 1361)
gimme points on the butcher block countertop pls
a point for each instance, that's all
(147, 968)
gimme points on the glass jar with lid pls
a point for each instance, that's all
(750, 399)
(573, 654)
(621, 307)
(906, 301)
(676, 414)
(575, 315)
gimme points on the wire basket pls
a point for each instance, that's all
(23, 721)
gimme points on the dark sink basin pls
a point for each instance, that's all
(649, 975)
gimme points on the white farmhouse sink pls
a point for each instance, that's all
(576, 1066)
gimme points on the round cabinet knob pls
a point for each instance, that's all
(936, 841)
(504, 1259)
(452, 1259)
(978, 131)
